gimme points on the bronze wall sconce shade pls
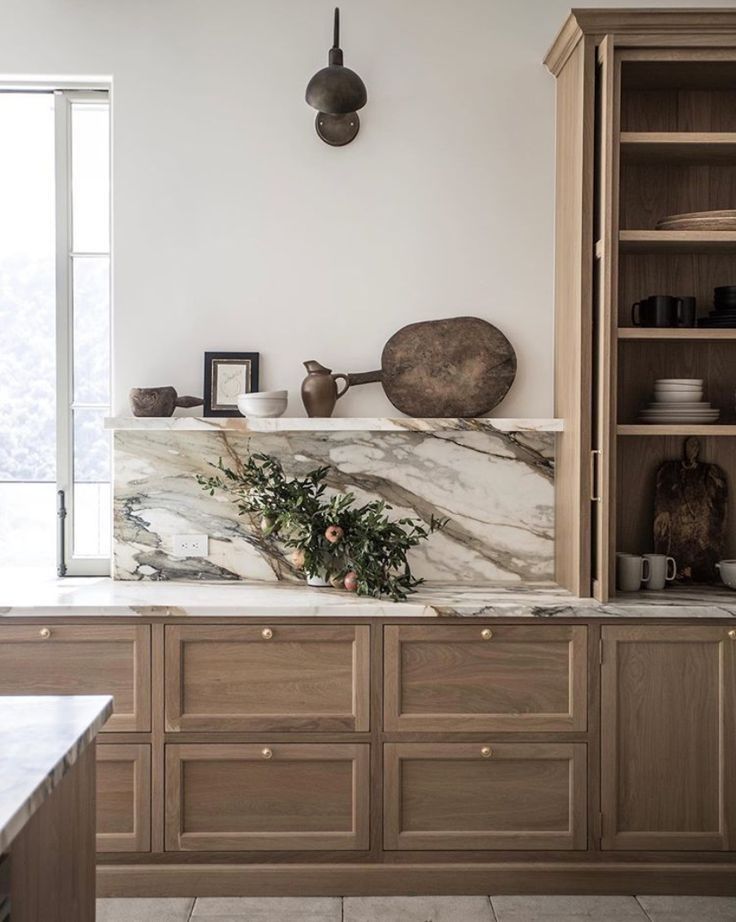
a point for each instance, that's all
(337, 93)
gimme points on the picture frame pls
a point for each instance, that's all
(227, 374)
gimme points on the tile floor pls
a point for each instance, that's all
(424, 909)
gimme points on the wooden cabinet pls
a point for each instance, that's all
(123, 798)
(484, 795)
(645, 129)
(485, 679)
(267, 677)
(90, 659)
(267, 796)
(668, 748)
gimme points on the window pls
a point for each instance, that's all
(55, 352)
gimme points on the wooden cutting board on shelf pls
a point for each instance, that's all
(460, 366)
(690, 514)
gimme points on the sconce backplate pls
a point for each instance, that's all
(337, 130)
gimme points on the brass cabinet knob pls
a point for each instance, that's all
(267, 633)
(486, 633)
(44, 633)
(486, 752)
(266, 753)
(732, 634)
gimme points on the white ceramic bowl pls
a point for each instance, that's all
(679, 381)
(263, 404)
(727, 569)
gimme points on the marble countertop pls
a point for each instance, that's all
(42, 737)
(22, 596)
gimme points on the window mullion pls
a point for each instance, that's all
(64, 351)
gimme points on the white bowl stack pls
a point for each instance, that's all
(677, 401)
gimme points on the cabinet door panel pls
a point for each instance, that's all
(280, 796)
(460, 796)
(259, 677)
(668, 747)
(521, 678)
(123, 798)
(71, 659)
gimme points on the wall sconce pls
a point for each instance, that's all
(336, 92)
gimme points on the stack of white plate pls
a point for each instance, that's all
(679, 400)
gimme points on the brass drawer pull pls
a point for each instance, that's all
(732, 634)
(486, 752)
(267, 633)
(44, 633)
(486, 633)
(267, 753)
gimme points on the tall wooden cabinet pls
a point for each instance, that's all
(646, 126)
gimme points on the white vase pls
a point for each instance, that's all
(318, 581)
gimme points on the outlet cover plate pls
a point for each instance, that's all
(190, 545)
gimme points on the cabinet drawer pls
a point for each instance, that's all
(479, 678)
(71, 659)
(484, 796)
(267, 677)
(123, 798)
(267, 796)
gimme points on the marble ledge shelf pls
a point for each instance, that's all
(332, 424)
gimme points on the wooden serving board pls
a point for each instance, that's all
(461, 366)
(690, 514)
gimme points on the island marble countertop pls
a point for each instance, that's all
(42, 737)
(24, 597)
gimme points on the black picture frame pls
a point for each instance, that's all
(214, 404)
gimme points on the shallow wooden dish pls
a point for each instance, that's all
(699, 220)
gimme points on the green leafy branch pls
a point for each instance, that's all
(358, 546)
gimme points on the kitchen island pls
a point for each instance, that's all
(47, 797)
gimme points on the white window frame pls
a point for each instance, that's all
(69, 564)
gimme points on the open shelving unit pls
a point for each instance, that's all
(667, 145)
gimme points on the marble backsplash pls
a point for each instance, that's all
(496, 489)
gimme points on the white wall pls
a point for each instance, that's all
(236, 228)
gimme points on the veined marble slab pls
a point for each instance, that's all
(496, 489)
(331, 424)
(42, 737)
(103, 596)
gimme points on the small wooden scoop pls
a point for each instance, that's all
(159, 401)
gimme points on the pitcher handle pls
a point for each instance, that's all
(347, 384)
(671, 563)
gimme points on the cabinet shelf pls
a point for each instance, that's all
(694, 334)
(647, 429)
(675, 241)
(689, 146)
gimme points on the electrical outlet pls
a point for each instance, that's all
(190, 545)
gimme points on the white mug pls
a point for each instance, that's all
(631, 571)
(662, 569)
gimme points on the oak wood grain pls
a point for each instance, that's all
(52, 861)
(91, 659)
(523, 678)
(123, 798)
(233, 677)
(668, 709)
(303, 796)
(455, 795)
(575, 111)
